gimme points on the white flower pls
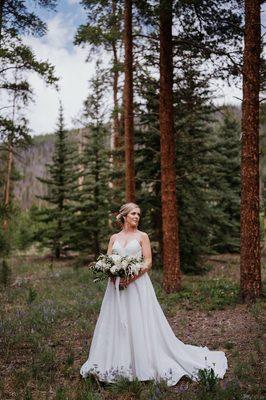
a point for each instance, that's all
(115, 257)
(113, 269)
(99, 265)
(124, 264)
(135, 269)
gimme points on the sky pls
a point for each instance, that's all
(74, 72)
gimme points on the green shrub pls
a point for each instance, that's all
(207, 379)
(5, 273)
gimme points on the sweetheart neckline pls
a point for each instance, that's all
(123, 247)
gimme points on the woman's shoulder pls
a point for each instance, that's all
(113, 237)
(143, 235)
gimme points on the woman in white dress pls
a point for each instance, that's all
(132, 336)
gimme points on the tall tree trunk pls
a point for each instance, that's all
(171, 259)
(2, 3)
(128, 87)
(117, 134)
(8, 181)
(96, 197)
(57, 240)
(10, 156)
(250, 267)
(80, 152)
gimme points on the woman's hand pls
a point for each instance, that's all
(123, 282)
(142, 272)
(112, 279)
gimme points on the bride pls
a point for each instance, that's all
(132, 336)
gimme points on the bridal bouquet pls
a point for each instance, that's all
(115, 265)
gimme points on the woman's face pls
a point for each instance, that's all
(133, 217)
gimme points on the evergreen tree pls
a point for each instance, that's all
(226, 182)
(15, 20)
(148, 179)
(16, 59)
(170, 214)
(128, 104)
(104, 31)
(93, 210)
(207, 181)
(263, 170)
(62, 184)
(250, 257)
(204, 31)
(15, 15)
(194, 164)
(15, 135)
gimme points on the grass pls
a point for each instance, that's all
(48, 315)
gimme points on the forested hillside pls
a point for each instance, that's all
(31, 163)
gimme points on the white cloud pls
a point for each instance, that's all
(71, 68)
(224, 94)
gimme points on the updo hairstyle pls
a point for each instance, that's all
(124, 210)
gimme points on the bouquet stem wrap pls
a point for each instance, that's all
(121, 316)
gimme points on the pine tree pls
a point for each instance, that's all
(263, 170)
(147, 153)
(93, 210)
(250, 263)
(194, 163)
(214, 27)
(128, 96)
(200, 159)
(171, 259)
(62, 184)
(226, 181)
(15, 14)
(104, 31)
(15, 136)
(15, 20)
(17, 59)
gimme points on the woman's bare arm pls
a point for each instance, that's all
(109, 250)
(110, 244)
(147, 255)
(146, 251)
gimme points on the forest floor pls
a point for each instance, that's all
(48, 314)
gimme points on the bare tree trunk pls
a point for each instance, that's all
(80, 152)
(117, 133)
(171, 260)
(128, 86)
(250, 267)
(8, 182)
(10, 156)
(2, 3)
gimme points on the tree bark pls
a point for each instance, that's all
(8, 182)
(171, 259)
(117, 141)
(128, 87)
(2, 3)
(250, 268)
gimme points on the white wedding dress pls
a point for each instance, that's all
(133, 338)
